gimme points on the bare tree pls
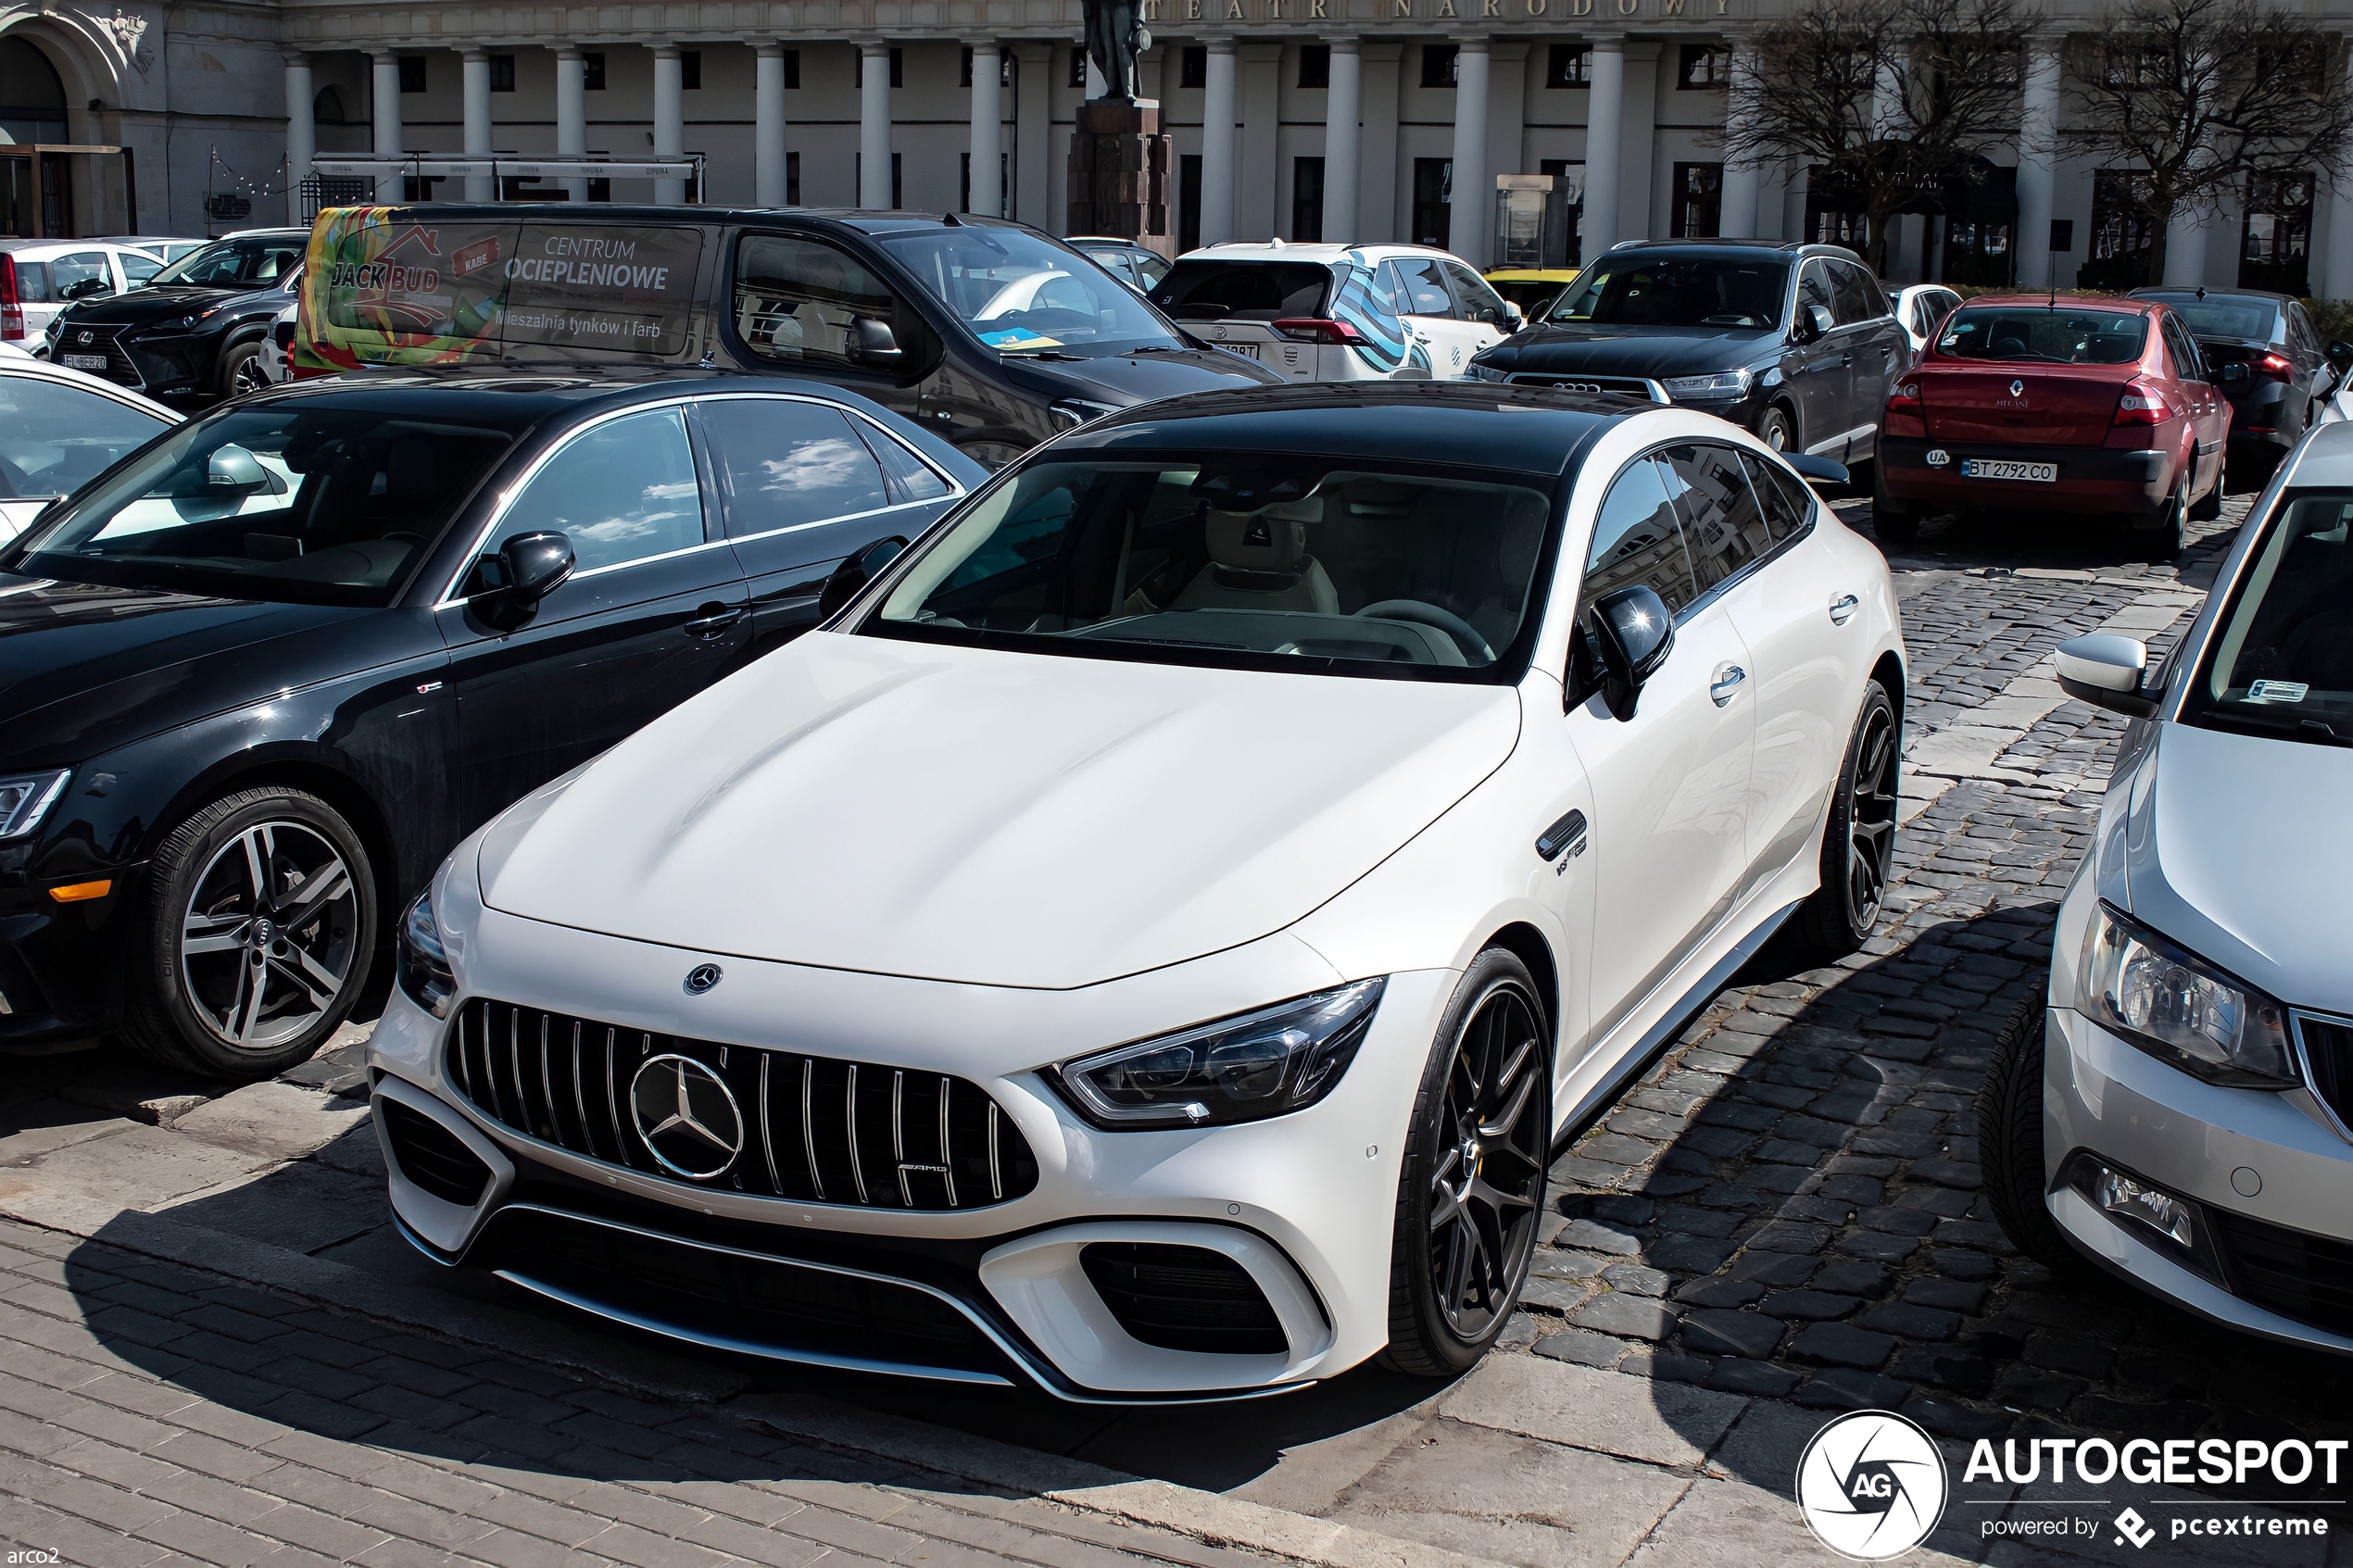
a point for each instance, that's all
(2196, 98)
(1891, 101)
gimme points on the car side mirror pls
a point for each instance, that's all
(232, 470)
(853, 575)
(2106, 670)
(1813, 321)
(1820, 470)
(1632, 633)
(873, 344)
(2340, 354)
(1514, 317)
(536, 565)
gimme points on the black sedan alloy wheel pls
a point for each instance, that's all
(1475, 1168)
(1858, 841)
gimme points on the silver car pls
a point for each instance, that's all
(2183, 1116)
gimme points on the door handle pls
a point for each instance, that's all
(1727, 685)
(1842, 609)
(712, 619)
(1568, 835)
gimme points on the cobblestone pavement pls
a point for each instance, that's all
(212, 1347)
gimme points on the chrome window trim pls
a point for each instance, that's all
(1748, 569)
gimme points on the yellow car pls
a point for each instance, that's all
(1533, 289)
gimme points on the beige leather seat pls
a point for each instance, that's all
(1259, 561)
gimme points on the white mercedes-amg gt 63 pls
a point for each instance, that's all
(1147, 944)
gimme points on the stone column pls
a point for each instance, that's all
(874, 124)
(479, 187)
(669, 120)
(1259, 213)
(1217, 145)
(1033, 134)
(1604, 145)
(988, 128)
(768, 125)
(1472, 203)
(1737, 217)
(385, 109)
(1340, 109)
(572, 115)
(2037, 151)
(302, 133)
(1377, 182)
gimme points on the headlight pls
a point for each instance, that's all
(1478, 369)
(1265, 1063)
(1721, 384)
(423, 963)
(25, 799)
(1072, 412)
(2177, 1007)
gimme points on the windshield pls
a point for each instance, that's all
(2029, 333)
(233, 264)
(1678, 291)
(2255, 321)
(1021, 293)
(1247, 290)
(1242, 560)
(306, 505)
(54, 438)
(2282, 659)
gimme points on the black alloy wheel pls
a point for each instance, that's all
(1473, 1184)
(1858, 843)
(243, 372)
(261, 924)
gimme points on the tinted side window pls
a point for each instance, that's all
(137, 265)
(1723, 529)
(1421, 286)
(1859, 300)
(795, 299)
(1636, 540)
(910, 478)
(1781, 497)
(1479, 302)
(81, 274)
(783, 463)
(620, 492)
(1814, 288)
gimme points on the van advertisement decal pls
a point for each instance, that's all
(394, 286)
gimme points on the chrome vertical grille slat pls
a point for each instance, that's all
(819, 1156)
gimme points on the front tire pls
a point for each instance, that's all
(2165, 542)
(1473, 1184)
(243, 372)
(259, 930)
(2010, 1149)
(1858, 841)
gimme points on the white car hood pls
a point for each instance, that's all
(2237, 850)
(993, 817)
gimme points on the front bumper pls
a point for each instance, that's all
(60, 964)
(2091, 478)
(1305, 1204)
(2286, 1250)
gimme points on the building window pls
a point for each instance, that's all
(1315, 65)
(1078, 68)
(1004, 184)
(1438, 65)
(413, 73)
(1569, 64)
(690, 70)
(1571, 174)
(502, 73)
(1192, 67)
(792, 70)
(897, 71)
(1004, 68)
(1188, 199)
(792, 177)
(1835, 216)
(1307, 200)
(2275, 237)
(601, 190)
(1699, 201)
(1433, 182)
(2122, 231)
(592, 75)
(1704, 64)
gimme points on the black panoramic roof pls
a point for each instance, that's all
(1438, 422)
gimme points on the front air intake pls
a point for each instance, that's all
(431, 1156)
(1184, 1298)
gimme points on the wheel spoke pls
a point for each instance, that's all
(257, 852)
(328, 884)
(1456, 1271)
(212, 934)
(255, 988)
(1501, 1125)
(320, 997)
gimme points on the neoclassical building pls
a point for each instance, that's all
(218, 106)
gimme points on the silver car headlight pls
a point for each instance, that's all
(1719, 384)
(2180, 1008)
(1265, 1063)
(420, 960)
(26, 799)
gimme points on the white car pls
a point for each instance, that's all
(59, 428)
(1921, 308)
(2182, 1113)
(1323, 313)
(1146, 946)
(40, 277)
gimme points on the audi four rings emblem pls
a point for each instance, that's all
(701, 978)
(2017, 389)
(686, 1116)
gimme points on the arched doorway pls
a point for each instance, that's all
(33, 109)
(58, 176)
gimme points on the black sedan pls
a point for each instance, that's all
(259, 677)
(195, 331)
(2262, 350)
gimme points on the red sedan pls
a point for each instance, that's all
(2033, 403)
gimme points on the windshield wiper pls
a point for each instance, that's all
(2286, 727)
(1040, 354)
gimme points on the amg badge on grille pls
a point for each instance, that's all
(686, 1116)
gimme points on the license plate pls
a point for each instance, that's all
(1994, 468)
(85, 361)
(1250, 349)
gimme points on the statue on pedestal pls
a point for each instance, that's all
(1116, 40)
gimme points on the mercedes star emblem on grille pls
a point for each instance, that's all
(686, 1116)
(2017, 389)
(701, 978)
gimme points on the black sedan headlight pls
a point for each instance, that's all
(423, 963)
(1478, 369)
(26, 799)
(1265, 1063)
(2180, 1008)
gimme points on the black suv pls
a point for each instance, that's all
(195, 331)
(1795, 342)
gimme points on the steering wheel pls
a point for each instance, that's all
(1446, 621)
